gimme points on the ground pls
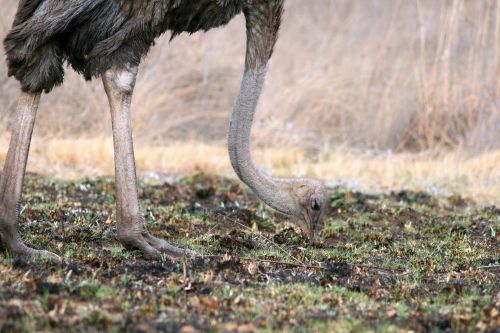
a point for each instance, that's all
(404, 261)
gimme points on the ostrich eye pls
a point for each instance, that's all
(315, 204)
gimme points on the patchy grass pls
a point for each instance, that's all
(394, 262)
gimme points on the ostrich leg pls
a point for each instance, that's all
(132, 232)
(11, 182)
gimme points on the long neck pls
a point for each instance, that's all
(261, 37)
(265, 187)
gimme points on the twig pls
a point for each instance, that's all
(490, 266)
(184, 268)
(63, 238)
(302, 264)
(266, 260)
(378, 268)
(259, 234)
(282, 263)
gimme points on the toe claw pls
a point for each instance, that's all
(138, 242)
(37, 255)
(170, 250)
(48, 256)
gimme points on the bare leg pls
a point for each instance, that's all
(11, 183)
(132, 232)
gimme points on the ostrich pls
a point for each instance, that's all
(108, 38)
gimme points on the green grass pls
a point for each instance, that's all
(390, 263)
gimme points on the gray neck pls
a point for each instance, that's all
(271, 191)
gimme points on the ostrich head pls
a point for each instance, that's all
(309, 202)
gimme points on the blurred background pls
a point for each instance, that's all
(376, 95)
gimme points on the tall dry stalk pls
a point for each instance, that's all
(401, 75)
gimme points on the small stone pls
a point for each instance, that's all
(188, 329)
(253, 267)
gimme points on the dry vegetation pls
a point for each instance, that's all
(399, 262)
(350, 81)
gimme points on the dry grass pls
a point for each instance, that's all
(420, 78)
(475, 177)
(386, 75)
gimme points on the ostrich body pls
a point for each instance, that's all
(108, 38)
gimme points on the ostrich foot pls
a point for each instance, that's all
(36, 255)
(165, 247)
(153, 247)
(17, 249)
(11, 240)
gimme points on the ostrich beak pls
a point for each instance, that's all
(312, 237)
(307, 228)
